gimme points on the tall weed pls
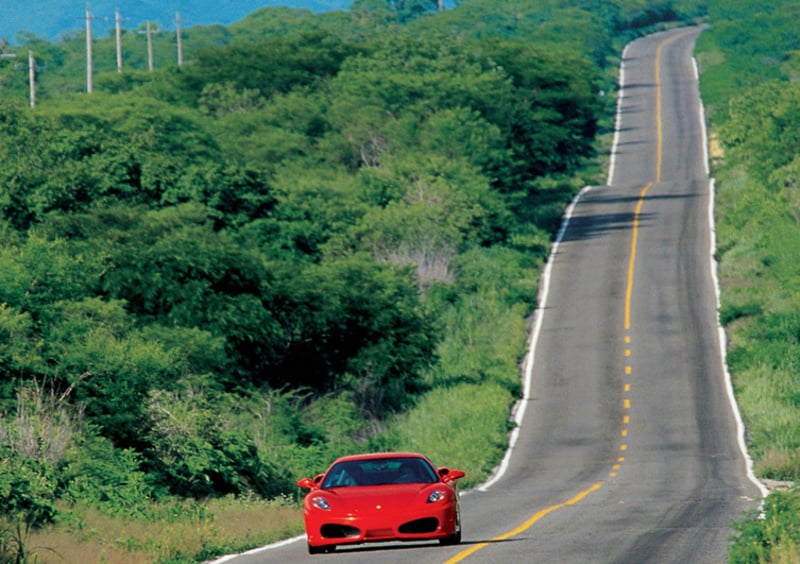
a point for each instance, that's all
(464, 426)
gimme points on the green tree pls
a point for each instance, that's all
(313, 203)
(73, 158)
(399, 11)
(92, 349)
(355, 325)
(554, 119)
(440, 207)
(285, 128)
(38, 272)
(270, 66)
(173, 267)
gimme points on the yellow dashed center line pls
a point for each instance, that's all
(524, 526)
(626, 402)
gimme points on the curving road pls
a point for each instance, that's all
(629, 448)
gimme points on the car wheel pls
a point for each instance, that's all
(315, 549)
(455, 538)
(321, 549)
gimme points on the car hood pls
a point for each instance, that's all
(390, 495)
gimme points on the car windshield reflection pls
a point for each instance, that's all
(378, 472)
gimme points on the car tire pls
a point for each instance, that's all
(455, 538)
(321, 549)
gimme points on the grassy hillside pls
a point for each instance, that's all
(749, 69)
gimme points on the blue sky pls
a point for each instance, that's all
(52, 18)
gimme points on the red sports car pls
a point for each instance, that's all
(381, 497)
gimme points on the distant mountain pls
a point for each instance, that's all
(53, 18)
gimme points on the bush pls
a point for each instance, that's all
(775, 537)
(107, 478)
(194, 453)
(27, 490)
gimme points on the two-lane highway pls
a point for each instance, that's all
(629, 448)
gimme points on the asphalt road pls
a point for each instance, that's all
(629, 450)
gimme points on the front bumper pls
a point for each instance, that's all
(438, 522)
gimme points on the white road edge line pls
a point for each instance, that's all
(259, 549)
(531, 356)
(617, 118)
(522, 404)
(723, 345)
(723, 338)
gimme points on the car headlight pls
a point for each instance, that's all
(320, 503)
(436, 496)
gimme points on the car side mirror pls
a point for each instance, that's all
(450, 475)
(307, 484)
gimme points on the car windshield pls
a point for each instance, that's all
(380, 471)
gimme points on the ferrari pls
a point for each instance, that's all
(381, 497)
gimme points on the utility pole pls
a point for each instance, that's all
(180, 45)
(149, 48)
(118, 29)
(31, 69)
(32, 78)
(88, 50)
(149, 33)
(3, 44)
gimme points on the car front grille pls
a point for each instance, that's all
(426, 525)
(339, 531)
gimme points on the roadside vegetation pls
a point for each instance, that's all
(750, 65)
(322, 235)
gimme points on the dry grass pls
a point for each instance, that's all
(60, 546)
(228, 526)
(715, 149)
(778, 462)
